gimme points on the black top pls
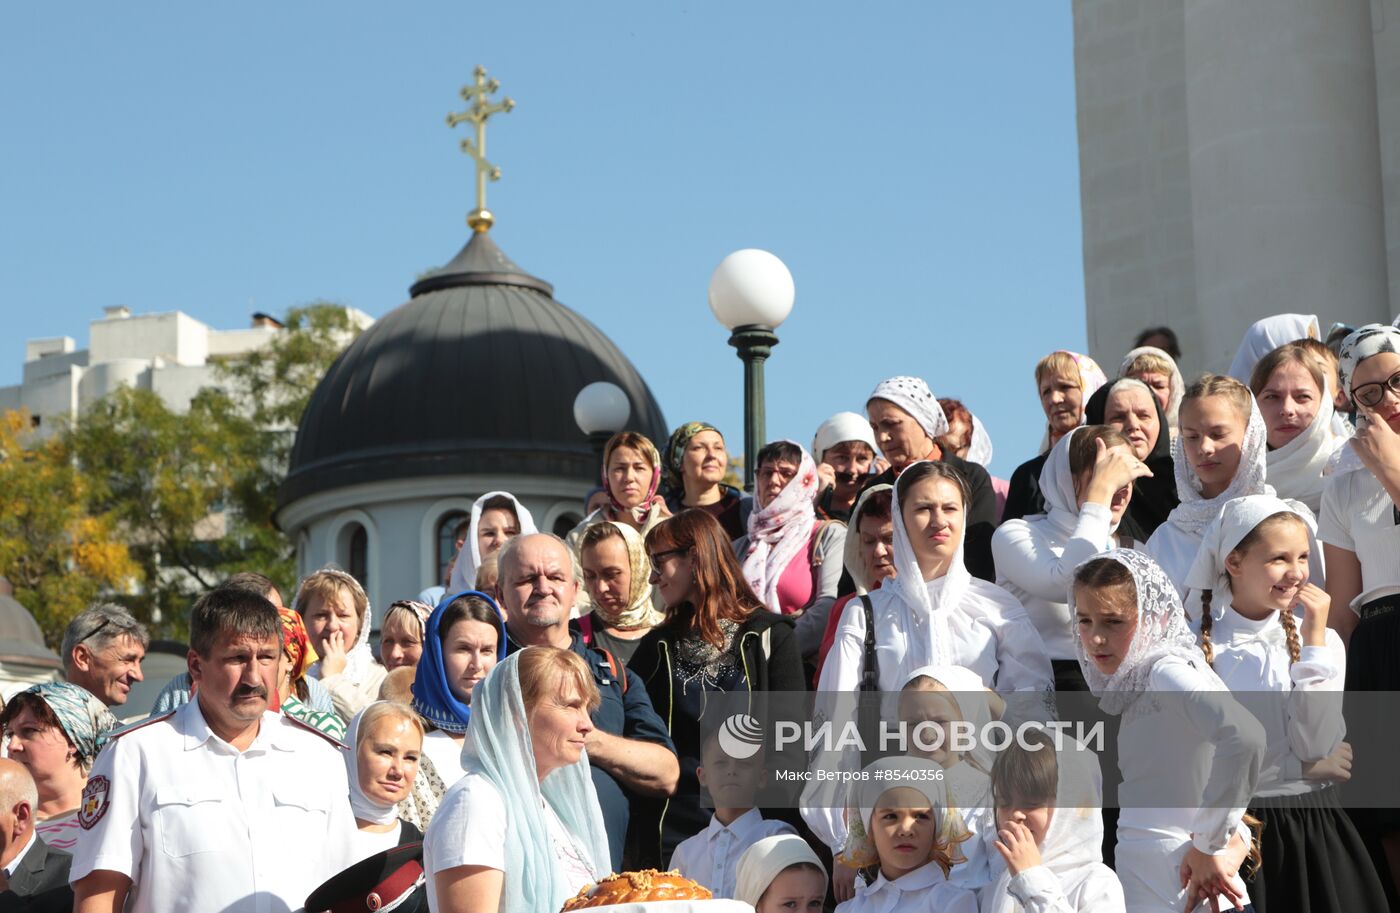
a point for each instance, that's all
(1023, 496)
(981, 513)
(423, 392)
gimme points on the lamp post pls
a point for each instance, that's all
(751, 293)
(601, 409)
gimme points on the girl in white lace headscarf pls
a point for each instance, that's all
(1189, 754)
(1221, 454)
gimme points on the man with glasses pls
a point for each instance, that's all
(629, 751)
(102, 652)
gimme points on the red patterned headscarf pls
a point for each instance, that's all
(296, 643)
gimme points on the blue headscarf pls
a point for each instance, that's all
(498, 748)
(84, 718)
(432, 698)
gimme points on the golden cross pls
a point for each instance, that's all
(480, 110)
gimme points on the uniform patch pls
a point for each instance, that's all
(94, 804)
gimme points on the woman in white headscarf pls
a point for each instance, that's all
(844, 450)
(497, 517)
(1267, 334)
(1088, 485)
(1190, 755)
(1220, 455)
(907, 421)
(791, 560)
(1066, 873)
(1159, 372)
(1295, 398)
(385, 745)
(522, 830)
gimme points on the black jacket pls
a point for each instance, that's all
(41, 869)
(982, 516)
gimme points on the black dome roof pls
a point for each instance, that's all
(475, 374)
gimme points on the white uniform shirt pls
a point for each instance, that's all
(711, 856)
(1357, 515)
(198, 825)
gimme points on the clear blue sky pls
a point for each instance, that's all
(914, 164)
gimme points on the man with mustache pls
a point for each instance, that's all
(629, 750)
(192, 810)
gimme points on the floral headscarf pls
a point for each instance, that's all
(779, 532)
(85, 720)
(1161, 631)
(296, 643)
(639, 513)
(640, 611)
(675, 453)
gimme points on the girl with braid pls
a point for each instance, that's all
(1263, 628)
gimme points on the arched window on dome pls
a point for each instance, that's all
(449, 539)
(356, 552)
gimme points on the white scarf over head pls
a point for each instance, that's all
(766, 860)
(913, 396)
(1176, 387)
(979, 449)
(1074, 840)
(895, 772)
(1237, 519)
(359, 659)
(1196, 511)
(842, 427)
(779, 532)
(922, 608)
(970, 695)
(469, 559)
(851, 552)
(1057, 488)
(1268, 334)
(365, 808)
(1161, 631)
(1296, 470)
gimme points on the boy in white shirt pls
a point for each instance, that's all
(712, 856)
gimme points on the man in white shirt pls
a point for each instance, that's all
(223, 804)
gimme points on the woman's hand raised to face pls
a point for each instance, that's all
(1378, 446)
(1316, 607)
(335, 656)
(1114, 468)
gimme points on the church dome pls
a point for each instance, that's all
(475, 374)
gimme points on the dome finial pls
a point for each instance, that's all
(479, 111)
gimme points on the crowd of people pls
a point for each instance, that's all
(549, 715)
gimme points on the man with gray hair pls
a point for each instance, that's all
(102, 652)
(28, 865)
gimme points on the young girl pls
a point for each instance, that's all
(496, 517)
(1188, 753)
(781, 874)
(1049, 829)
(1252, 572)
(907, 834)
(1219, 455)
(940, 696)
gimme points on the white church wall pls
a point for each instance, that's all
(1385, 28)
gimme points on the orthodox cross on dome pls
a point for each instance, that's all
(480, 108)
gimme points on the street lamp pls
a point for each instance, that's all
(751, 293)
(601, 409)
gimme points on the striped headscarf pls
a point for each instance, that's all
(85, 720)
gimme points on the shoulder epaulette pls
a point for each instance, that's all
(309, 728)
(142, 724)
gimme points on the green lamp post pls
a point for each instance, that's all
(751, 293)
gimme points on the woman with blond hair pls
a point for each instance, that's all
(336, 612)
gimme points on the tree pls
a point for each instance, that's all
(58, 554)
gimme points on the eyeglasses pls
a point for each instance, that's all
(662, 556)
(1370, 395)
(94, 632)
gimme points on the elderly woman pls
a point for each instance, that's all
(1132, 407)
(718, 637)
(401, 634)
(335, 610)
(386, 741)
(696, 463)
(1159, 372)
(907, 421)
(617, 576)
(522, 831)
(496, 518)
(55, 730)
(1064, 381)
(844, 449)
(789, 557)
(465, 638)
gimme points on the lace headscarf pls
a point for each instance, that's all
(469, 559)
(1196, 511)
(779, 532)
(1267, 334)
(1176, 387)
(1161, 631)
(922, 606)
(432, 695)
(499, 749)
(640, 512)
(359, 659)
(640, 611)
(84, 719)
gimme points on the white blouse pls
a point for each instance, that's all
(1358, 515)
(1087, 889)
(446, 754)
(1174, 550)
(1035, 562)
(923, 890)
(1252, 659)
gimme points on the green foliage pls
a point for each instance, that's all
(57, 551)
